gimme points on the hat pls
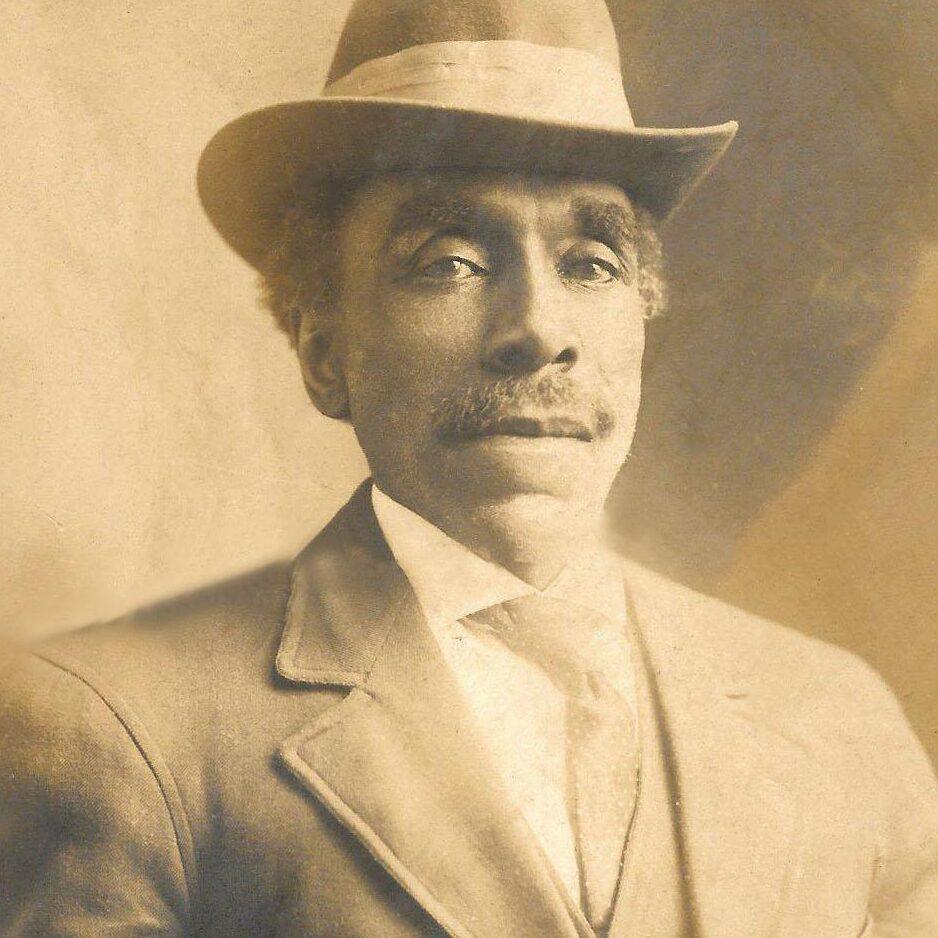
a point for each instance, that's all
(478, 84)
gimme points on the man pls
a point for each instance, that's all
(454, 713)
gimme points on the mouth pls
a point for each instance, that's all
(534, 428)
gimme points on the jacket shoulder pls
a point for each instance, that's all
(818, 690)
(185, 670)
(228, 627)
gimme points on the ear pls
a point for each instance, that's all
(318, 347)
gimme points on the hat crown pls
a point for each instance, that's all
(375, 29)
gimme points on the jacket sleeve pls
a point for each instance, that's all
(87, 842)
(904, 894)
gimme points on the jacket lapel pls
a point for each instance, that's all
(739, 779)
(397, 760)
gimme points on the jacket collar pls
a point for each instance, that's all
(345, 594)
(397, 760)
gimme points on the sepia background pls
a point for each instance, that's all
(153, 428)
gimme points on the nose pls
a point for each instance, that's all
(529, 330)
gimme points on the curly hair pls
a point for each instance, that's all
(299, 274)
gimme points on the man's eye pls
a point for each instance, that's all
(451, 268)
(591, 270)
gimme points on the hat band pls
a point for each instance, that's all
(502, 76)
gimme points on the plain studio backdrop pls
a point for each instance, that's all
(155, 434)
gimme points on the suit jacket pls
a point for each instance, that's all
(287, 754)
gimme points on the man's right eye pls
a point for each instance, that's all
(451, 269)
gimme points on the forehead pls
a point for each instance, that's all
(398, 203)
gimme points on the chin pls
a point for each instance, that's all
(504, 488)
(520, 471)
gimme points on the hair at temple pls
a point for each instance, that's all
(299, 272)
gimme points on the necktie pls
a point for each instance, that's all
(602, 745)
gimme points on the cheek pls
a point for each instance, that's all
(620, 345)
(400, 353)
(428, 333)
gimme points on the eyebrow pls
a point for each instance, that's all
(609, 222)
(437, 210)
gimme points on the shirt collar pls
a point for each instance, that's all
(451, 582)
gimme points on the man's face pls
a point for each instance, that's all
(489, 336)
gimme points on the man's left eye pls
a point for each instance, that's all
(595, 271)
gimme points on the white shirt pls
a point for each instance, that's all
(520, 714)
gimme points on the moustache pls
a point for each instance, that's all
(551, 405)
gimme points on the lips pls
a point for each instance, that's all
(535, 427)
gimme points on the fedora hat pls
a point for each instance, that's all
(478, 84)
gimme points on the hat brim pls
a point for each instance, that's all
(248, 168)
